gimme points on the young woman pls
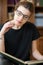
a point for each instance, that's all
(18, 37)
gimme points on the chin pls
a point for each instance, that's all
(17, 24)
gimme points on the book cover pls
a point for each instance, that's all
(19, 61)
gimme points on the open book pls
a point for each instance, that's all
(19, 61)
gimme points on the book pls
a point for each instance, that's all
(19, 61)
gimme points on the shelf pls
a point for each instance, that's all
(11, 5)
(40, 27)
(41, 37)
(38, 9)
(39, 6)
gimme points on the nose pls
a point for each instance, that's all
(21, 18)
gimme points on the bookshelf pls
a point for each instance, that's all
(39, 12)
(39, 24)
(3, 11)
(39, 20)
(10, 8)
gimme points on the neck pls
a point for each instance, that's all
(16, 27)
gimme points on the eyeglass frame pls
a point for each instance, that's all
(21, 14)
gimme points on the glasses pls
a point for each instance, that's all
(19, 13)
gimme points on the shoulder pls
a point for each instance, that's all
(30, 25)
(34, 30)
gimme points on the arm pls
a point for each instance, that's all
(2, 46)
(4, 29)
(36, 54)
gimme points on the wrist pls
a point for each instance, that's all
(1, 33)
(1, 36)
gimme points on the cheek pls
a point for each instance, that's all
(15, 17)
(24, 21)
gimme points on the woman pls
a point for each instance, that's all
(18, 37)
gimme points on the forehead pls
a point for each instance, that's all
(24, 10)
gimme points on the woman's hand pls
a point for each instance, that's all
(6, 27)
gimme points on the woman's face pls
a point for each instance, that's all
(21, 16)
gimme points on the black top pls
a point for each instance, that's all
(19, 42)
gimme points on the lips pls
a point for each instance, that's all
(19, 21)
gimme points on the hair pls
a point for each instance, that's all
(27, 5)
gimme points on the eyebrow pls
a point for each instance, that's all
(22, 13)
